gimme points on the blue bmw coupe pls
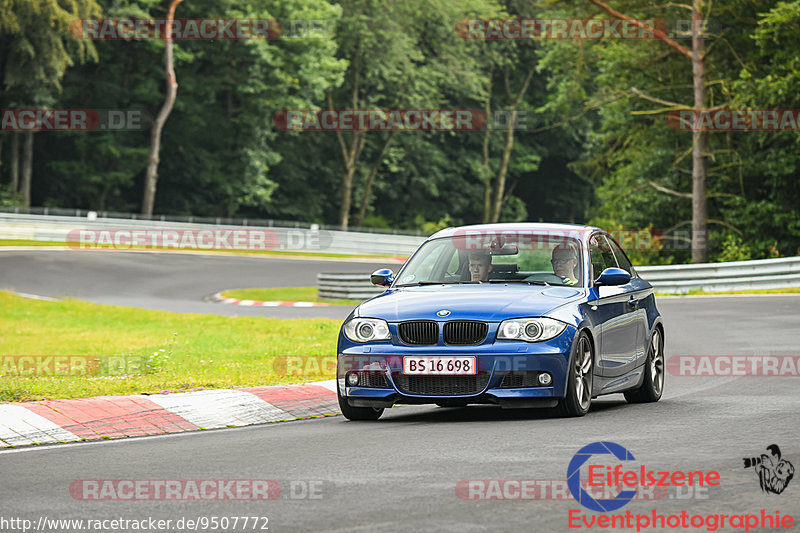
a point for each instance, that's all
(517, 315)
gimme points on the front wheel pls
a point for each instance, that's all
(579, 379)
(653, 385)
(357, 413)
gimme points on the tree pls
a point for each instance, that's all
(765, 210)
(151, 177)
(401, 56)
(37, 48)
(699, 137)
(623, 90)
(220, 138)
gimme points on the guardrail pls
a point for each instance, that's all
(761, 274)
(713, 277)
(66, 229)
(346, 287)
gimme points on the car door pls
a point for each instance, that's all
(639, 292)
(618, 351)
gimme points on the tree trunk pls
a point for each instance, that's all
(487, 177)
(371, 178)
(151, 176)
(27, 168)
(346, 192)
(500, 183)
(14, 162)
(350, 154)
(699, 143)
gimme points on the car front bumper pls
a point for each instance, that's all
(507, 374)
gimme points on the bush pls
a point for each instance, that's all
(734, 249)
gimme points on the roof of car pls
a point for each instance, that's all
(516, 226)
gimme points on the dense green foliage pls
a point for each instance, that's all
(592, 143)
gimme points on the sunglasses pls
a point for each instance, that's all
(561, 261)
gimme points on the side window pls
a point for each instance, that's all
(622, 259)
(608, 255)
(596, 257)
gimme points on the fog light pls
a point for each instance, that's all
(545, 378)
(352, 379)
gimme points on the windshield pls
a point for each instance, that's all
(534, 258)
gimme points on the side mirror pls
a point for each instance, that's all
(613, 276)
(383, 277)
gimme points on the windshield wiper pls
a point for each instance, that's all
(528, 281)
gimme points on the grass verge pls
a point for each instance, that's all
(168, 351)
(284, 294)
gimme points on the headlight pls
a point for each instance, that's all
(529, 329)
(367, 329)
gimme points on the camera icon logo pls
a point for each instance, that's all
(774, 472)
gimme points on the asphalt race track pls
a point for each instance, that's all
(401, 473)
(168, 281)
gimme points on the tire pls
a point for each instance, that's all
(580, 376)
(357, 413)
(653, 384)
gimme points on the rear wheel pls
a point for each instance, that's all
(579, 379)
(357, 413)
(653, 385)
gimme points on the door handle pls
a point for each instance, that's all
(633, 303)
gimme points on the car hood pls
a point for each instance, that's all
(490, 302)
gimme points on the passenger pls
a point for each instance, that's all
(480, 264)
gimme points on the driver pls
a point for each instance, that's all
(564, 261)
(480, 264)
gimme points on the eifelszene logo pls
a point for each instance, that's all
(609, 466)
(774, 472)
(594, 458)
(574, 476)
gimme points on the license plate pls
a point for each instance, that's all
(440, 366)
